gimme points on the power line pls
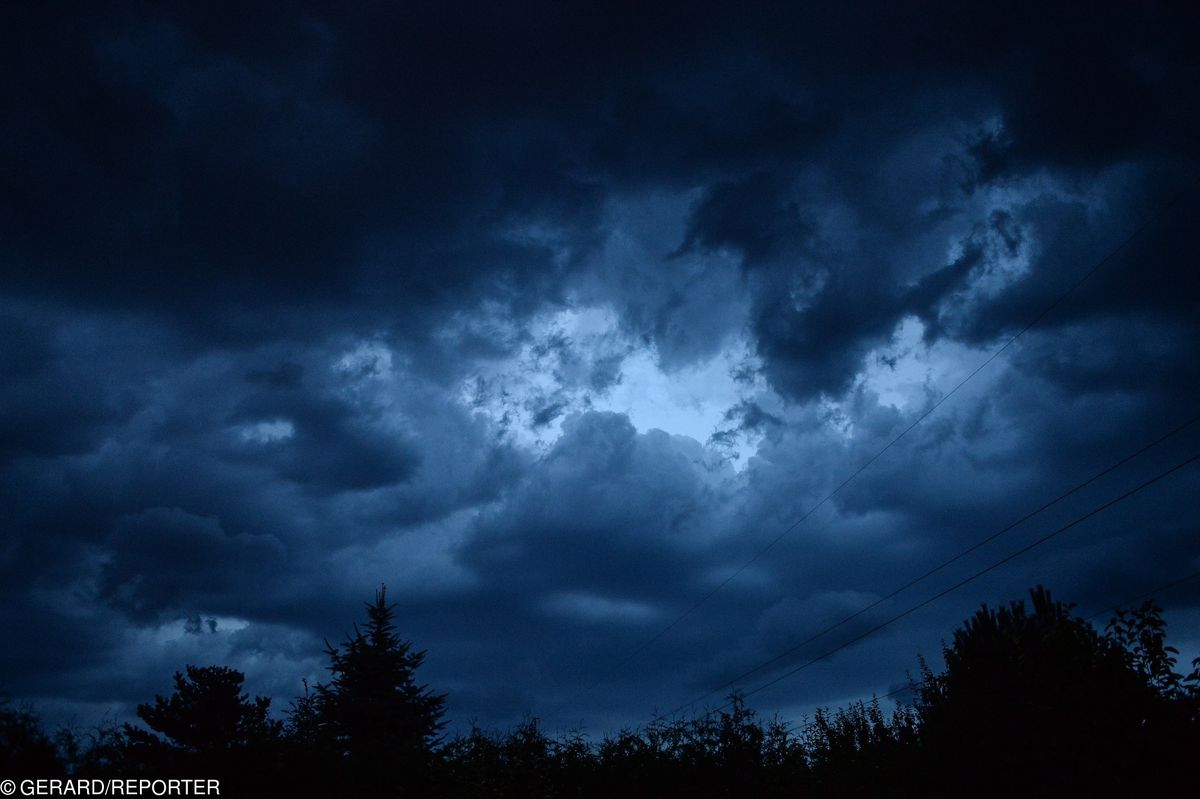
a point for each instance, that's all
(1146, 595)
(1152, 592)
(1011, 556)
(953, 559)
(1160, 213)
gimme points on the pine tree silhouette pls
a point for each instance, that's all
(378, 723)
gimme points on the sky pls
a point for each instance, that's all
(552, 317)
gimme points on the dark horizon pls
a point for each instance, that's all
(559, 320)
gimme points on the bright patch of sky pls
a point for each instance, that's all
(588, 607)
(267, 431)
(690, 401)
(907, 373)
(180, 629)
(579, 360)
(366, 359)
(900, 373)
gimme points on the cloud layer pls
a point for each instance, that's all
(551, 319)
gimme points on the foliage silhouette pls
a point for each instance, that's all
(208, 714)
(206, 726)
(860, 751)
(1032, 701)
(1037, 697)
(1142, 634)
(25, 748)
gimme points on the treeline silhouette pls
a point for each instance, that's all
(1033, 701)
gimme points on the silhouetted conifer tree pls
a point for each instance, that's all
(378, 723)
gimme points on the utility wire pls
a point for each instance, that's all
(1160, 213)
(911, 687)
(1011, 556)
(1146, 595)
(953, 559)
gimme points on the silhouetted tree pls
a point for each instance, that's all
(1041, 701)
(523, 763)
(208, 713)
(1142, 634)
(377, 722)
(303, 727)
(1169, 713)
(106, 751)
(717, 754)
(726, 753)
(206, 725)
(25, 748)
(472, 765)
(861, 751)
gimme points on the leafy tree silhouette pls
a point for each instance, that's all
(1170, 717)
(860, 751)
(723, 754)
(207, 726)
(209, 714)
(1040, 703)
(1142, 633)
(25, 748)
(525, 762)
(376, 722)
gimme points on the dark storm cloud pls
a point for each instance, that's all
(322, 442)
(160, 168)
(608, 510)
(47, 404)
(269, 281)
(755, 215)
(163, 554)
(401, 156)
